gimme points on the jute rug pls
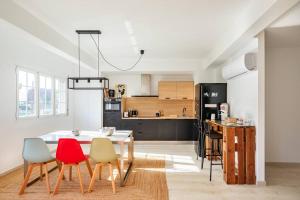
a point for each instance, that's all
(147, 180)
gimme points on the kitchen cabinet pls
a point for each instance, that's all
(184, 130)
(167, 90)
(180, 90)
(161, 129)
(167, 130)
(185, 90)
(142, 129)
(112, 119)
(146, 130)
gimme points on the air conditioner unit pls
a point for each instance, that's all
(241, 65)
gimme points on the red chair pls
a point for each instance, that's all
(69, 153)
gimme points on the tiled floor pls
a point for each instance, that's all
(186, 180)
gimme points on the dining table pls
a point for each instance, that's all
(122, 138)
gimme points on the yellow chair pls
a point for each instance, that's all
(102, 152)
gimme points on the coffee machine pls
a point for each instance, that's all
(224, 111)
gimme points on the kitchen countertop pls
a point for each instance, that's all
(162, 117)
(226, 124)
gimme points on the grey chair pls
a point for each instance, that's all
(37, 154)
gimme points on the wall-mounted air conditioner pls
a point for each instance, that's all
(241, 65)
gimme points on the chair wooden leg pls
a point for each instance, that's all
(112, 178)
(59, 167)
(100, 171)
(60, 176)
(47, 178)
(92, 182)
(89, 167)
(80, 179)
(41, 172)
(24, 184)
(118, 166)
(211, 159)
(70, 173)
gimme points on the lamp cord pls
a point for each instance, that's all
(98, 56)
(112, 65)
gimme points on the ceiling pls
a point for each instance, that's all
(291, 18)
(166, 29)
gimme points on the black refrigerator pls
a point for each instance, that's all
(208, 97)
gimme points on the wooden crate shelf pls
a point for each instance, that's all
(238, 153)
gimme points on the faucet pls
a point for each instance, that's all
(184, 111)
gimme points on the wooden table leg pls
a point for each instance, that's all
(121, 163)
(131, 150)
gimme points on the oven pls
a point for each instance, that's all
(112, 106)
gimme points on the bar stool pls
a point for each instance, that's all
(102, 152)
(69, 153)
(37, 154)
(214, 137)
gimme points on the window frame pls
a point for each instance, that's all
(36, 113)
(37, 75)
(46, 75)
(66, 97)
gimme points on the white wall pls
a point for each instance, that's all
(242, 96)
(282, 104)
(88, 107)
(211, 75)
(15, 50)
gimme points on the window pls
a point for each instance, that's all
(40, 97)
(26, 94)
(45, 95)
(60, 97)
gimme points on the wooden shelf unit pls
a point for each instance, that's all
(238, 153)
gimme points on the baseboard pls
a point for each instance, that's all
(261, 183)
(283, 164)
(11, 170)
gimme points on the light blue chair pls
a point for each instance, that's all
(37, 154)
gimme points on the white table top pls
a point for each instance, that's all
(86, 137)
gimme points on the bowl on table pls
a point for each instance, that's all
(76, 132)
(108, 131)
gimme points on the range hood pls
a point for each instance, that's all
(145, 90)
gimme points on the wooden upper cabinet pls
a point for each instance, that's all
(180, 90)
(185, 90)
(167, 89)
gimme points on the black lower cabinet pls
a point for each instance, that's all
(146, 130)
(184, 130)
(153, 129)
(129, 124)
(161, 129)
(167, 130)
(112, 119)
